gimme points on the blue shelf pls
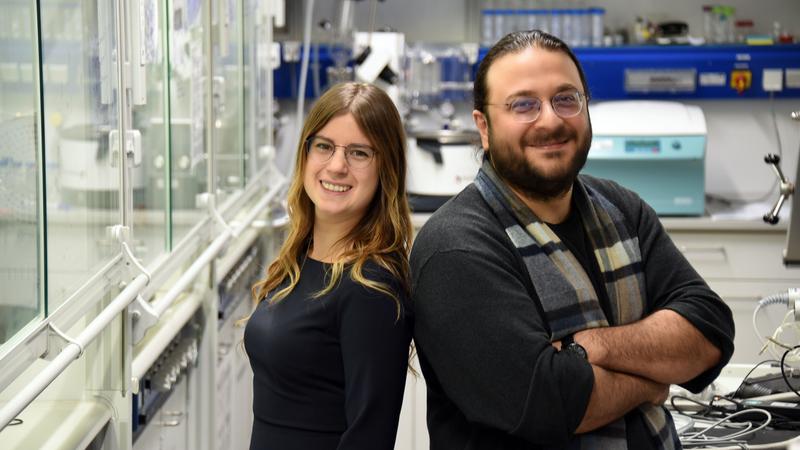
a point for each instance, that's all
(605, 69)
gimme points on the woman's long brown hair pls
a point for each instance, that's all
(383, 235)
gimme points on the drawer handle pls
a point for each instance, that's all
(170, 423)
(715, 249)
(710, 253)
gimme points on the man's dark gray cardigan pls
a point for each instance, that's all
(494, 380)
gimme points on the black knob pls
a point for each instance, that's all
(771, 219)
(772, 158)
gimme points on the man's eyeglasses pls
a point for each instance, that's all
(565, 104)
(321, 150)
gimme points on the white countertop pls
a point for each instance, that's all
(57, 424)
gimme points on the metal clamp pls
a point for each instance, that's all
(221, 220)
(133, 260)
(57, 338)
(122, 234)
(143, 317)
(786, 189)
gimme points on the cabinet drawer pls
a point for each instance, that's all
(740, 256)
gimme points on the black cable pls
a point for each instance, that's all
(679, 410)
(736, 392)
(708, 407)
(783, 369)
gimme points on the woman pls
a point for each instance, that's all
(329, 338)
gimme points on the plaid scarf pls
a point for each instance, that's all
(565, 290)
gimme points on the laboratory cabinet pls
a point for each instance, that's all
(136, 177)
(743, 262)
(169, 428)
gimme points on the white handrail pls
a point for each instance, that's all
(164, 302)
(142, 362)
(75, 348)
(70, 353)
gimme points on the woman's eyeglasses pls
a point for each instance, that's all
(321, 150)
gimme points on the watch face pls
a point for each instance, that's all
(577, 349)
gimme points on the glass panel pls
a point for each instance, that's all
(256, 95)
(80, 111)
(187, 83)
(149, 116)
(228, 97)
(19, 147)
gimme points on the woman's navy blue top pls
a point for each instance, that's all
(329, 372)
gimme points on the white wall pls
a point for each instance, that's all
(740, 133)
(458, 20)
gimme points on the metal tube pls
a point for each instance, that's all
(71, 352)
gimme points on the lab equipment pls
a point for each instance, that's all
(168, 372)
(791, 254)
(381, 60)
(655, 148)
(598, 19)
(89, 167)
(440, 164)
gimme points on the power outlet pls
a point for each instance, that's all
(772, 80)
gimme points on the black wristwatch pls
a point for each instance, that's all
(568, 343)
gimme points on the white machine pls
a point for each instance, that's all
(381, 64)
(655, 148)
(440, 164)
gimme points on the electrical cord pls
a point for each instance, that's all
(700, 437)
(783, 298)
(708, 407)
(736, 392)
(783, 369)
(717, 416)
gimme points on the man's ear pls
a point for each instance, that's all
(483, 127)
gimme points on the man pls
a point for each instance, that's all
(552, 310)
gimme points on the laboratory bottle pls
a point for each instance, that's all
(487, 23)
(708, 21)
(499, 19)
(730, 24)
(532, 15)
(580, 24)
(598, 22)
(584, 28)
(568, 25)
(543, 16)
(720, 24)
(555, 23)
(638, 31)
(515, 21)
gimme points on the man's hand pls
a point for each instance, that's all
(615, 394)
(661, 394)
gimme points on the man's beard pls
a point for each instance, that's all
(512, 166)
